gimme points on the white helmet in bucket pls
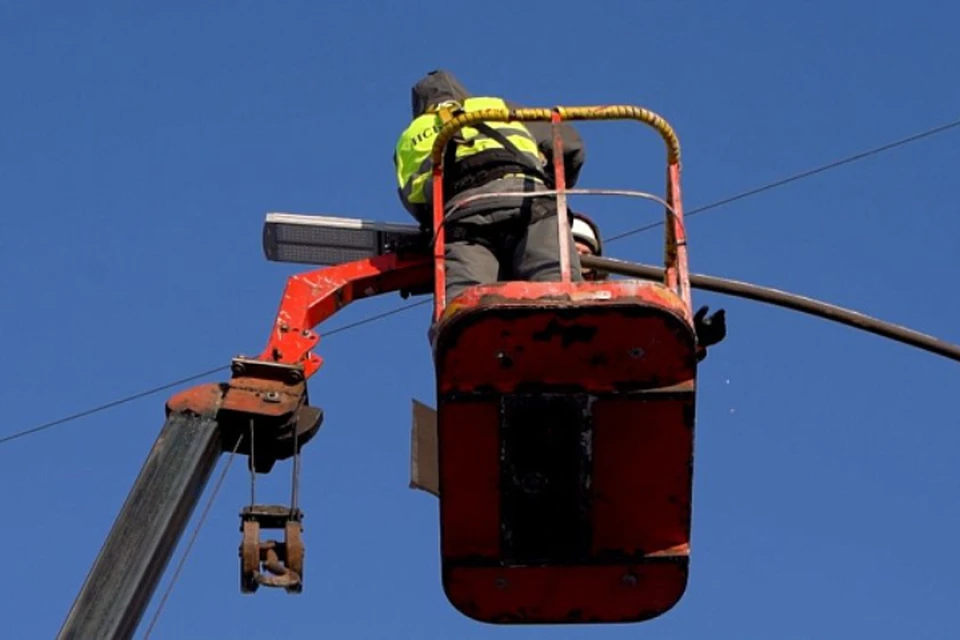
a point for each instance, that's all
(587, 236)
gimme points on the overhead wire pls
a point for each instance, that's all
(193, 539)
(197, 376)
(109, 405)
(695, 211)
(795, 177)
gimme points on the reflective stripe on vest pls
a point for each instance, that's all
(412, 155)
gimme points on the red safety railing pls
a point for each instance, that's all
(676, 275)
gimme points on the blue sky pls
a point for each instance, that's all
(142, 147)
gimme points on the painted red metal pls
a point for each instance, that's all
(269, 393)
(641, 476)
(582, 594)
(560, 184)
(470, 521)
(574, 339)
(629, 347)
(439, 243)
(310, 298)
(677, 275)
(610, 369)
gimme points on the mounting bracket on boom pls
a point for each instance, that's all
(263, 405)
(263, 413)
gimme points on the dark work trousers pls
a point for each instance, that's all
(509, 249)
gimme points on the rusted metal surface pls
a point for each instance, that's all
(271, 563)
(599, 594)
(602, 336)
(558, 294)
(268, 398)
(603, 537)
(638, 469)
(249, 556)
(578, 511)
(201, 400)
(294, 553)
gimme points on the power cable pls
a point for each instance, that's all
(109, 405)
(713, 205)
(798, 176)
(170, 385)
(191, 541)
(789, 300)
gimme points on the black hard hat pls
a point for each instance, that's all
(436, 87)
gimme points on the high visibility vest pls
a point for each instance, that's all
(473, 157)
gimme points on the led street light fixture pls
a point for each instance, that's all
(326, 240)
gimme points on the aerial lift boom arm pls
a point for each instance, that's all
(266, 396)
(263, 411)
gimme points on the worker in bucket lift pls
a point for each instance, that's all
(497, 238)
(586, 234)
(586, 237)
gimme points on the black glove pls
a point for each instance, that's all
(710, 330)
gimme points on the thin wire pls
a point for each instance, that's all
(193, 539)
(691, 213)
(379, 316)
(156, 390)
(109, 405)
(295, 473)
(795, 177)
(253, 465)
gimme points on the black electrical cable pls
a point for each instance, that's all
(784, 299)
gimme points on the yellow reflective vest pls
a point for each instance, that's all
(475, 156)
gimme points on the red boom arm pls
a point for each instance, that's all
(269, 394)
(310, 298)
